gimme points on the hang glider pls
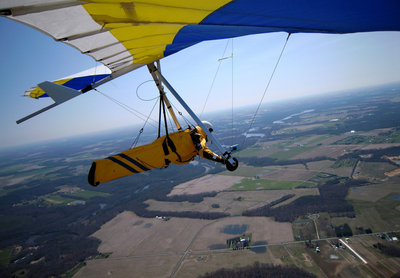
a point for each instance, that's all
(124, 35)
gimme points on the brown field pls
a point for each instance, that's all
(199, 264)
(11, 180)
(137, 267)
(128, 235)
(167, 250)
(333, 151)
(393, 173)
(228, 201)
(262, 228)
(290, 173)
(324, 166)
(380, 146)
(374, 192)
(151, 248)
(207, 183)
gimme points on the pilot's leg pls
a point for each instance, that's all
(126, 163)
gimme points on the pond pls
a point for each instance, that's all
(395, 197)
(235, 229)
(259, 249)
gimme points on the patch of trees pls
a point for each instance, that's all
(361, 230)
(331, 199)
(140, 209)
(282, 199)
(192, 198)
(390, 250)
(258, 270)
(343, 230)
(375, 155)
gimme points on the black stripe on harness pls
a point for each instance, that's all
(165, 147)
(130, 159)
(171, 145)
(119, 162)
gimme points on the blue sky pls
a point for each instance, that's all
(311, 64)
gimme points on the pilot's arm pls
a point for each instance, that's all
(200, 143)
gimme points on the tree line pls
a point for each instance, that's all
(258, 270)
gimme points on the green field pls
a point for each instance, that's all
(291, 141)
(318, 139)
(57, 200)
(249, 152)
(87, 194)
(247, 171)
(8, 189)
(378, 216)
(263, 184)
(375, 170)
(390, 137)
(5, 256)
(291, 152)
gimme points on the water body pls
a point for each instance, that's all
(235, 229)
(395, 197)
(248, 135)
(282, 121)
(259, 249)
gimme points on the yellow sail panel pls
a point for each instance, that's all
(133, 12)
(143, 31)
(147, 24)
(37, 92)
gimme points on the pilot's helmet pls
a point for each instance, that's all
(208, 126)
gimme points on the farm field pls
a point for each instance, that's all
(130, 235)
(194, 247)
(204, 184)
(310, 173)
(204, 250)
(233, 202)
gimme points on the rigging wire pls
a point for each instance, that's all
(265, 90)
(135, 142)
(183, 117)
(232, 92)
(126, 107)
(172, 126)
(215, 77)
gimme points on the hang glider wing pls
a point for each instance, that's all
(79, 82)
(125, 34)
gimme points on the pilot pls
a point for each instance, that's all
(179, 148)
